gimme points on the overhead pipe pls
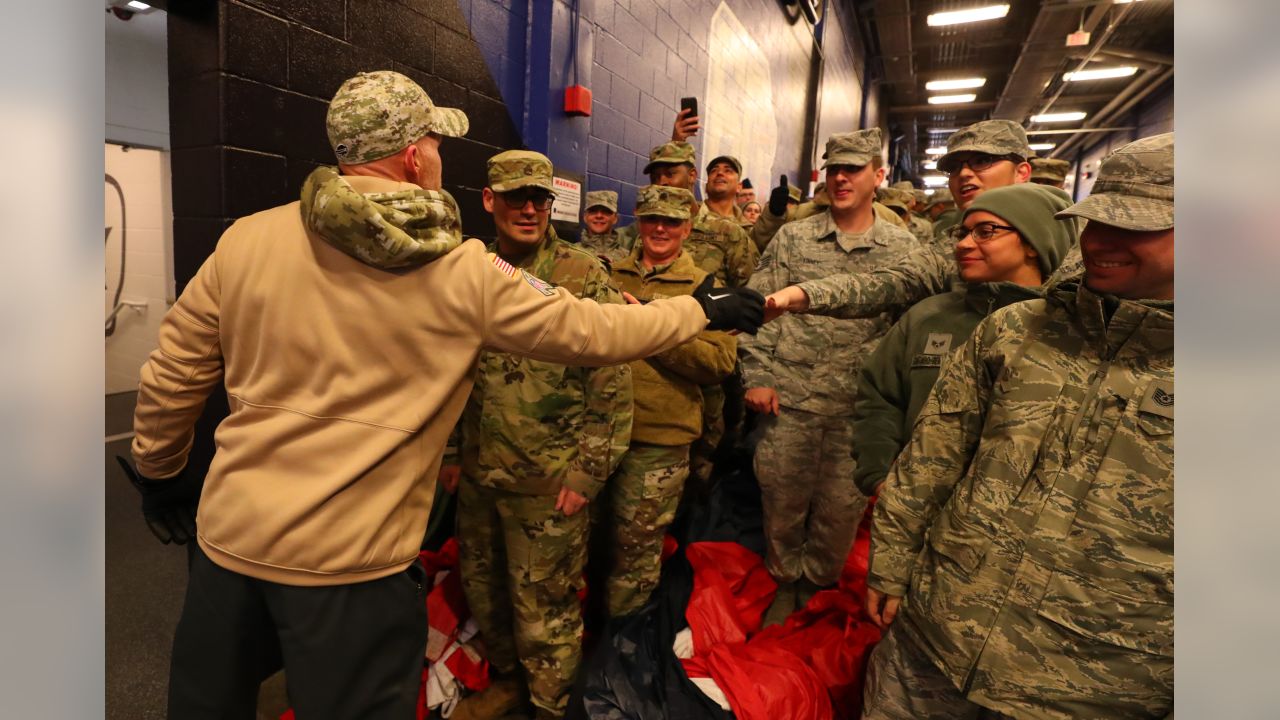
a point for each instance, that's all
(1118, 107)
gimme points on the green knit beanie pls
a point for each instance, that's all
(1030, 207)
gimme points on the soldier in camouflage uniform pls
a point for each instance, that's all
(1029, 521)
(985, 155)
(1049, 171)
(940, 208)
(770, 220)
(537, 442)
(668, 390)
(722, 249)
(721, 190)
(801, 373)
(900, 201)
(599, 218)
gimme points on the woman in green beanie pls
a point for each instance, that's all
(1006, 247)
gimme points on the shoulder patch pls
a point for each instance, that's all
(540, 285)
(937, 344)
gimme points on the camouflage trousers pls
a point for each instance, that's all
(903, 684)
(811, 506)
(702, 452)
(644, 493)
(521, 562)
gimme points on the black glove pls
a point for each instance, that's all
(778, 198)
(169, 506)
(730, 308)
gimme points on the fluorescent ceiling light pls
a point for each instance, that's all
(135, 5)
(958, 84)
(1100, 74)
(930, 164)
(935, 151)
(935, 180)
(929, 191)
(1042, 146)
(950, 99)
(940, 131)
(1058, 117)
(956, 17)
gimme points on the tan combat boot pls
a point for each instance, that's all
(506, 695)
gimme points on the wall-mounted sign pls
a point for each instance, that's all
(568, 202)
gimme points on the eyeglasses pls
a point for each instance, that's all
(982, 232)
(541, 199)
(977, 162)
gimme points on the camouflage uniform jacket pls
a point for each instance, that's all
(768, 224)
(922, 229)
(1031, 514)
(611, 244)
(735, 216)
(946, 220)
(668, 396)
(721, 248)
(628, 236)
(812, 361)
(530, 427)
(922, 273)
(896, 379)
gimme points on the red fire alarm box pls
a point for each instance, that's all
(577, 100)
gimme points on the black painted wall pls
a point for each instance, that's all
(249, 82)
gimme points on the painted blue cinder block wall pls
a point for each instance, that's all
(746, 61)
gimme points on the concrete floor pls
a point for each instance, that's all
(145, 585)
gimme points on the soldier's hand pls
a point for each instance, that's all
(631, 299)
(570, 502)
(763, 401)
(788, 299)
(882, 608)
(778, 198)
(449, 476)
(730, 308)
(168, 506)
(686, 125)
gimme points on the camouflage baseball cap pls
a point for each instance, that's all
(852, 148)
(903, 185)
(1051, 169)
(993, 137)
(664, 201)
(380, 113)
(676, 152)
(895, 198)
(1134, 189)
(921, 196)
(735, 162)
(603, 198)
(515, 169)
(939, 197)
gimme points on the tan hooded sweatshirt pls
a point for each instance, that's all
(347, 328)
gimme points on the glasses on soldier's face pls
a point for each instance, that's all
(982, 232)
(977, 162)
(517, 199)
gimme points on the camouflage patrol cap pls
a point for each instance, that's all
(895, 198)
(676, 152)
(607, 199)
(664, 201)
(903, 185)
(515, 169)
(1051, 169)
(377, 114)
(1134, 189)
(939, 197)
(735, 162)
(993, 137)
(920, 196)
(853, 148)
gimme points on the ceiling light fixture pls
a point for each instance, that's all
(940, 131)
(952, 99)
(935, 151)
(1058, 117)
(135, 5)
(1099, 73)
(935, 180)
(956, 17)
(930, 164)
(958, 84)
(1043, 146)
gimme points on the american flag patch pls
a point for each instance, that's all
(506, 267)
(538, 284)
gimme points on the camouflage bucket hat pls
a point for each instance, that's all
(607, 199)
(993, 137)
(896, 198)
(515, 169)
(852, 148)
(663, 201)
(938, 197)
(377, 114)
(1134, 189)
(676, 152)
(1049, 169)
(735, 162)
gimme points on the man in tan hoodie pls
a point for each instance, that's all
(347, 328)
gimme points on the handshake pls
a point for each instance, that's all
(743, 309)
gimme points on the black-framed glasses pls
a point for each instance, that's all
(982, 232)
(977, 162)
(541, 199)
